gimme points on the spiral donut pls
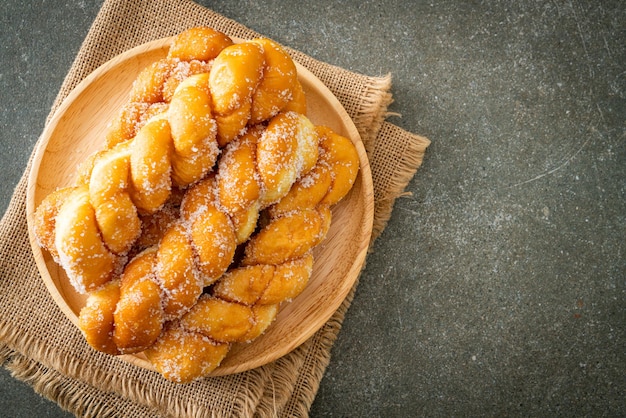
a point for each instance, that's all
(276, 267)
(181, 111)
(198, 218)
(250, 82)
(134, 177)
(196, 251)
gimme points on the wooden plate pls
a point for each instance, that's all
(76, 131)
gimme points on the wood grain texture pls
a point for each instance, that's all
(77, 130)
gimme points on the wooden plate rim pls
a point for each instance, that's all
(364, 177)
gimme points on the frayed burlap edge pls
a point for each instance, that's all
(299, 375)
(373, 111)
(411, 160)
(69, 394)
(279, 384)
(310, 375)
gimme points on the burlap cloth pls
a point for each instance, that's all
(40, 346)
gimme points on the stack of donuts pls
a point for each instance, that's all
(198, 217)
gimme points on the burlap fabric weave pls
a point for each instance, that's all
(40, 346)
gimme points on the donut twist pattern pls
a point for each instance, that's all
(182, 110)
(250, 82)
(277, 173)
(275, 268)
(163, 282)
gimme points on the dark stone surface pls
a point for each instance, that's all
(499, 285)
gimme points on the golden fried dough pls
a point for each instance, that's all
(181, 110)
(197, 220)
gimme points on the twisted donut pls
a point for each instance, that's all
(99, 221)
(276, 267)
(252, 82)
(191, 52)
(208, 96)
(181, 111)
(218, 213)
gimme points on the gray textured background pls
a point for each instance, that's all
(498, 287)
